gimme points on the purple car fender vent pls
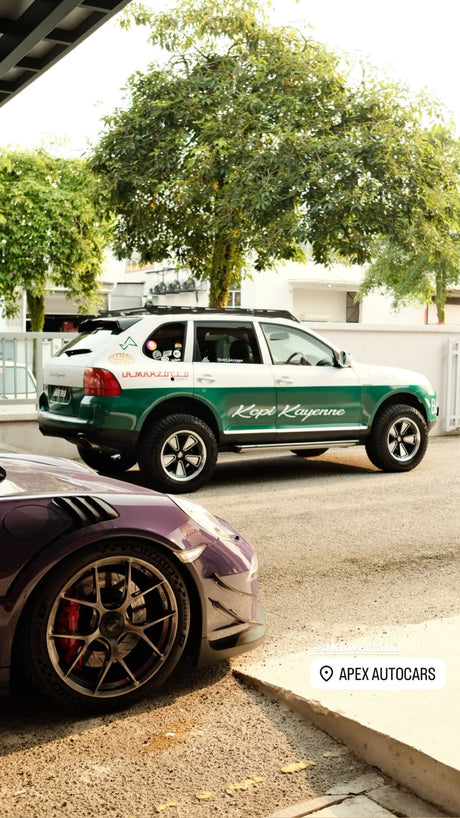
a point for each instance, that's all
(86, 510)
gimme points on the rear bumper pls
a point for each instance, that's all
(81, 434)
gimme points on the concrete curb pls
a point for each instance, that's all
(411, 735)
(380, 801)
(428, 778)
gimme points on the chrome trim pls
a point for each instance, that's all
(297, 430)
(316, 444)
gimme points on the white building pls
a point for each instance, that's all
(312, 292)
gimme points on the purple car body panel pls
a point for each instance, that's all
(51, 508)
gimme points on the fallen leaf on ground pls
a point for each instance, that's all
(296, 766)
(203, 796)
(162, 807)
(244, 785)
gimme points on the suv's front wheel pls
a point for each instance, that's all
(178, 454)
(398, 439)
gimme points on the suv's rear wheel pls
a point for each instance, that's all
(398, 439)
(105, 463)
(178, 454)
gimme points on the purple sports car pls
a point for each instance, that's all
(103, 585)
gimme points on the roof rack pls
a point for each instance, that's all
(155, 310)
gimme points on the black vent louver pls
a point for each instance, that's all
(86, 510)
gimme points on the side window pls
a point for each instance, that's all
(229, 343)
(294, 346)
(166, 343)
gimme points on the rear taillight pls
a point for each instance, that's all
(100, 383)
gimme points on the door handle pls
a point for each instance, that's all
(284, 381)
(206, 378)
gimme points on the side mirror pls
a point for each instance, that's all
(342, 358)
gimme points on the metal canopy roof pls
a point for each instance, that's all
(34, 34)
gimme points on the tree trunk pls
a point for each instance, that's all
(36, 310)
(226, 270)
(440, 296)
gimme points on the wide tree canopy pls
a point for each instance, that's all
(250, 143)
(51, 231)
(422, 262)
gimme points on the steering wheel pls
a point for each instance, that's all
(303, 361)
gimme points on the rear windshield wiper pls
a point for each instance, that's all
(77, 351)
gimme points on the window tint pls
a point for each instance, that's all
(94, 334)
(166, 343)
(293, 346)
(229, 343)
(84, 343)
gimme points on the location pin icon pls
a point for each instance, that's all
(326, 673)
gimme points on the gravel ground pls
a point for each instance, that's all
(343, 549)
(210, 735)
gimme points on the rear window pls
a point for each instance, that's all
(94, 333)
(84, 344)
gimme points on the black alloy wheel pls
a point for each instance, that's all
(107, 627)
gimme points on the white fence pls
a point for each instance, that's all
(22, 355)
(453, 386)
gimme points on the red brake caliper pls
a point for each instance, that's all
(67, 622)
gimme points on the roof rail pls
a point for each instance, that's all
(155, 310)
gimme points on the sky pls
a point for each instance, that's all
(413, 40)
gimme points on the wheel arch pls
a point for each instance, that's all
(25, 589)
(182, 405)
(405, 398)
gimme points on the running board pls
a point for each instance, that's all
(317, 444)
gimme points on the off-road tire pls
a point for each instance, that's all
(178, 454)
(398, 439)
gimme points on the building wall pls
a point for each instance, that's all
(317, 293)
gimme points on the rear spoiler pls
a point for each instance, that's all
(113, 325)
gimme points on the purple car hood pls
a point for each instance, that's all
(36, 475)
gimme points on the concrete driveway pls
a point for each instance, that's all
(344, 548)
(344, 551)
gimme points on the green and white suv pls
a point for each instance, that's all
(170, 388)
